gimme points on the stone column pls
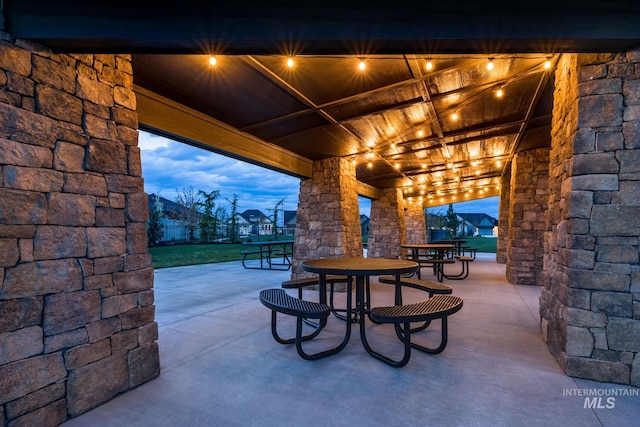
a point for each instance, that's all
(415, 223)
(527, 207)
(590, 304)
(387, 227)
(328, 221)
(76, 301)
(503, 216)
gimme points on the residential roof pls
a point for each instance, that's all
(254, 215)
(479, 219)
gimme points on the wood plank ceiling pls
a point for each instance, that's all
(440, 132)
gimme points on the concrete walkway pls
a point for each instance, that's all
(221, 367)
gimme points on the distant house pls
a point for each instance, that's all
(290, 218)
(259, 222)
(174, 229)
(483, 224)
(243, 227)
(364, 224)
(170, 209)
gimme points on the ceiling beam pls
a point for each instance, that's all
(169, 118)
(329, 27)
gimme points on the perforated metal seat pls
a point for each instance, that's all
(438, 307)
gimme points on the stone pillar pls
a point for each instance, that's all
(328, 221)
(387, 227)
(527, 207)
(76, 301)
(590, 303)
(503, 216)
(415, 223)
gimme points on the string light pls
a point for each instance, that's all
(454, 116)
(547, 65)
(420, 133)
(499, 93)
(212, 60)
(490, 64)
(290, 62)
(429, 66)
(362, 65)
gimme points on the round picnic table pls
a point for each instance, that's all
(360, 269)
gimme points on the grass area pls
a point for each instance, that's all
(175, 256)
(483, 244)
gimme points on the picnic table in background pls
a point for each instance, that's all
(432, 255)
(457, 243)
(272, 255)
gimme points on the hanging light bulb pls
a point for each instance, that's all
(547, 65)
(212, 60)
(429, 66)
(420, 133)
(362, 65)
(499, 93)
(490, 64)
(454, 116)
(290, 62)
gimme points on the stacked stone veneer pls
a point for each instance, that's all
(590, 303)
(415, 223)
(527, 208)
(503, 216)
(76, 301)
(328, 220)
(387, 229)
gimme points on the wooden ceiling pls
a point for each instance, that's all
(439, 133)
(396, 118)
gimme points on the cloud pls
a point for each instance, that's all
(169, 166)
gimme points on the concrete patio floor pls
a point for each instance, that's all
(221, 367)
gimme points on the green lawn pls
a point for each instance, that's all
(483, 244)
(175, 256)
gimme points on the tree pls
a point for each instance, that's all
(188, 210)
(155, 233)
(275, 216)
(451, 221)
(233, 221)
(208, 221)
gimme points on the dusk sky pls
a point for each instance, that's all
(169, 166)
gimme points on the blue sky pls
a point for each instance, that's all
(169, 166)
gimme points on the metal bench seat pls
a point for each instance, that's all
(423, 285)
(464, 260)
(432, 288)
(311, 281)
(438, 307)
(280, 302)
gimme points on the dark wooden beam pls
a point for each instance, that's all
(333, 26)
